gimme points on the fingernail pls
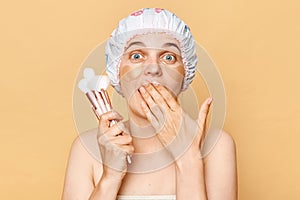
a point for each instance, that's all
(155, 83)
(142, 90)
(145, 83)
(209, 100)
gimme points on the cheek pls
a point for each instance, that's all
(173, 79)
(131, 75)
(130, 72)
(129, 78)
(180, 70)
(175, 71)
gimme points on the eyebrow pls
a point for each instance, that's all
(134, 43)
(168, 44)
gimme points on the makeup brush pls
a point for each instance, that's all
(91, 97)
(88, 86)
(95, 89)
(99, 85)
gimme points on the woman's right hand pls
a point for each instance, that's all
(115, 144)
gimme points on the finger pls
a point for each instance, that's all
(113, 131)
(104, 121)
(156, 96)
(122, 127)
(204, 112)
(160, 116)
(168, 97)
(151, 118)
(129, 149)
(146, 96)
(153, 110)
(122, 140)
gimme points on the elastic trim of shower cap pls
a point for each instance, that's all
(117, 43)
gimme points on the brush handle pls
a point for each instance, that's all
(97, 111)
(105, 106)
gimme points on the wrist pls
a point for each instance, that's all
(113, 176)
(107, 187)
(190, 160)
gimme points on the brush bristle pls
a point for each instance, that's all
(98, 82)
(88, 73)
(83, 85)
(104, 82)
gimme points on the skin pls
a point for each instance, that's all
(188, 178)
(157, 60)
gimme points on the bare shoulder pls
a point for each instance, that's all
(85, 144)
(80, 169)
(225, 147)
(221, 169)
(226, 140)
(85, 150)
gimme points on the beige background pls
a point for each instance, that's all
(254, 43)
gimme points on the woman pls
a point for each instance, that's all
(150, 59)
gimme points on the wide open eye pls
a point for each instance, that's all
(169, 58)
(136, 57)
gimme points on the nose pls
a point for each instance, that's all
(152, 67)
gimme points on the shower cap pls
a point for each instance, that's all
(150, 20)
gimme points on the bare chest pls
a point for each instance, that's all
(159, 182)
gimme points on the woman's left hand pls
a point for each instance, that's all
(175, 129)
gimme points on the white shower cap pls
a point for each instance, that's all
(148, 20)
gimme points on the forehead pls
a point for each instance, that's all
(153, 40)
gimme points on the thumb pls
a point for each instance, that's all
(202, 116)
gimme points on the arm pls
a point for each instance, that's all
(221, 170)
(174, 130)
(79, 180)
(107, 188)
(213, 178)
(79, 175)
(191, 171)
(190, 182)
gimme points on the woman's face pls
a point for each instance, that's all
(148, 58)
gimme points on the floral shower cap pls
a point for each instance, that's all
(150, 20)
